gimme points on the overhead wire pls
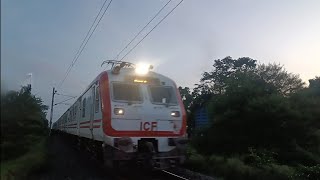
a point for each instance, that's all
(142, 29)
(83, 41)
(64, 100)
(65, 95)
(151, 30)
(86, 40)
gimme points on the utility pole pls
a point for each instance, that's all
(53, 93)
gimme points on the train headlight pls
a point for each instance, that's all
(143, 69)
(118, 111)
(175, 113)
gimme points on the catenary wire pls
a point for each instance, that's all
(86, 40)
(142, 30)
(151, 30)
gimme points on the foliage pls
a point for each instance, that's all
(214, 82)
(315, 83)
(22, 122)
(275, 74)
(265, 121)
(303, 172)
(235, 168)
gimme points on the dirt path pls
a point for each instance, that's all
(65, 162)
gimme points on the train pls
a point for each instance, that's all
(129, 114)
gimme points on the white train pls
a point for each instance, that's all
(129, 113)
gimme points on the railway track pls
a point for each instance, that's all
(175, 175)
(156, 175)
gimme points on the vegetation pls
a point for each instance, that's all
(264, 122)
(24, 129)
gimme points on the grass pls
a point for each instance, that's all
(19, 168)
(234, 167)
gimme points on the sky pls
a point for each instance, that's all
(41, 37)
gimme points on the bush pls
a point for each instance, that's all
(275, 171)
(231, 168)
(258, 158)
(195, 161)
(310, 173)
(235, 168)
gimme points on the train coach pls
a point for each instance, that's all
(129, 114)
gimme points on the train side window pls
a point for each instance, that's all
(84, 107)
(97, 100)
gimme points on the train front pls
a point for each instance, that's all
(144, 119)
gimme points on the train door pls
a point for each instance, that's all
(97, 114)
(91, 112)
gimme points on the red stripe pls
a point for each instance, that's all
(96, 126)
(183, 129)
(98, 120)
(106, 105)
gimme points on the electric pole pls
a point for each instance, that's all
(53, 93)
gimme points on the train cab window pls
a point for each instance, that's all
(84, 107)
(162, 95)
(126, 92)
(97, 95)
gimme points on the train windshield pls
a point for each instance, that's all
(162, 95)
(126, 92)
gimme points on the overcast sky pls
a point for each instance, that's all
(42, 36)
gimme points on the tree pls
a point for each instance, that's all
(186, 96)
(22, 121)
(213, 82)
(307, 103)
(315, 83)
(263, 107)
(275, 74)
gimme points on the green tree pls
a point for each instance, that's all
(22, 122)
(263, 107)
(315, 83)
(307, 103)
(214, 82)
(186, 96)
(275, 74)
